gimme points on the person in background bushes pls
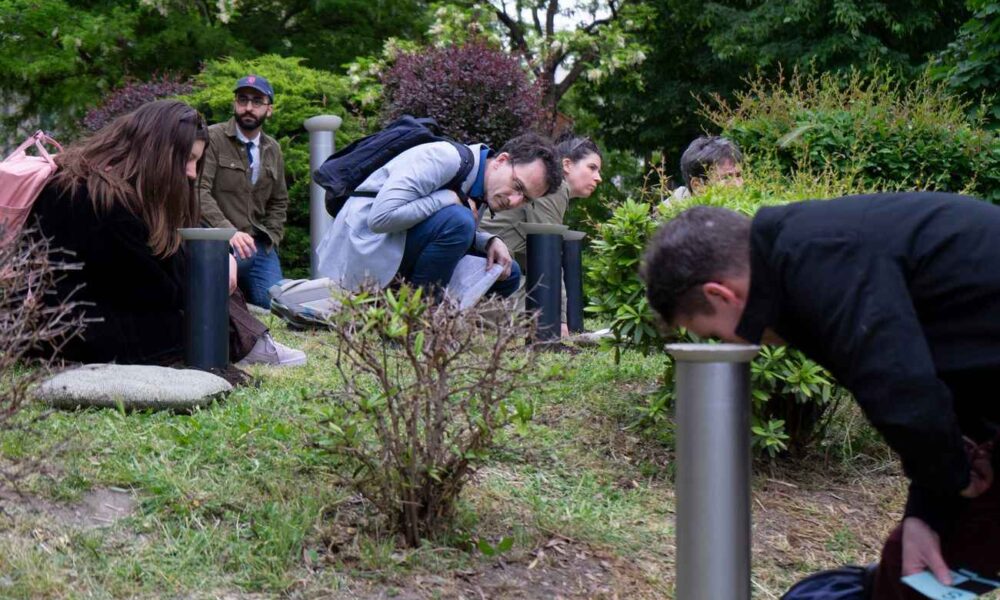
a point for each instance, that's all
(709, 160)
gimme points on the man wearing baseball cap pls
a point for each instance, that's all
(243, 186)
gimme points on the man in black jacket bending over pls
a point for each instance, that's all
(898, 295)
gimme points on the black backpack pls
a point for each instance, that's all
(845, 583)
(346, 169)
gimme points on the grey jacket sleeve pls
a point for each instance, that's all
(411, 192)
(482, 239)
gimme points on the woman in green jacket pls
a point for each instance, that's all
(581, 161)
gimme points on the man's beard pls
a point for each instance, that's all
(249, 122)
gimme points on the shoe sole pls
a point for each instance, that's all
(297, 362)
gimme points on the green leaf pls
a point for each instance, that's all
(485, 547)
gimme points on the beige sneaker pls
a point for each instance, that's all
(269, 352)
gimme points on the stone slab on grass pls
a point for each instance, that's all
(132, 386)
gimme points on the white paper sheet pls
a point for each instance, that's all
(471, 280)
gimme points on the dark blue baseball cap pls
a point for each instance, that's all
(258, 83)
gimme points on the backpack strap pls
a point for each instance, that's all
(468, 160)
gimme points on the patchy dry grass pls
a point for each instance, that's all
(235, 502)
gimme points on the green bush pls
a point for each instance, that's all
(883, 133)
(792, 395)
(300, 93)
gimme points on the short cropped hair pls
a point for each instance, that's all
(528, 148)
(706, 152)
(701, 244)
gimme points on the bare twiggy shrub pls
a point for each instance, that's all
(426, 387)
(28, 325)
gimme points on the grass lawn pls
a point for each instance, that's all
(237, 501)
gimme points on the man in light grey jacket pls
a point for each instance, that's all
(414, 229)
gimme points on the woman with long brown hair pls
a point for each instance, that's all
(114, 206)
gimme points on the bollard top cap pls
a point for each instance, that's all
(731, 353)
(543, 228)
(322, 123)
(207, 233)
(574, 236)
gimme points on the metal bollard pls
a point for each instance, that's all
(713, 470)
(206, 297)
(321, 145)
(543, 280)
(572, 265)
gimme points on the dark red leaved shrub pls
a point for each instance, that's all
(476, 93)
(133, 95)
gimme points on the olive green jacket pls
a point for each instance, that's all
(547, 209)
(228, 199)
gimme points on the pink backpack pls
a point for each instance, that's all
(22, 178)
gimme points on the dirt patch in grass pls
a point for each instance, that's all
(99, 507)
(807, 520)
(559, 568)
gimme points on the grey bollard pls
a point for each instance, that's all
(321, 145)
(712, 382)
(572, 266)
(544, 277)
(206, 297)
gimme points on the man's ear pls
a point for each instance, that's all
(719, 293)
(500, 159)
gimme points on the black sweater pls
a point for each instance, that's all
(135, 297)
(898, 295)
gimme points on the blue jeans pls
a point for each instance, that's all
(256, 274)
(435, 245)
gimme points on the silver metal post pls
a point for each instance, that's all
(321, 129)
(713, 470)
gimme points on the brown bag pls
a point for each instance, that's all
(244, 328)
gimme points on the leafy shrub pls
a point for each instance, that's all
(792, 395)
(885, 134)
(426, 386)
(133, 95)
(617, 295)
(971, 64)
(476, 93)
(300, 93)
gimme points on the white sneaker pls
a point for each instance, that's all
(269, 352)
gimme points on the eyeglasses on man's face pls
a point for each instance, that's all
(255, 101)
(517, 183)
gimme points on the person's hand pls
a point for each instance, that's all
(497, 253)
(564, 330)
(232, 274)
(922, 550)
(981, 474)
(243, 244)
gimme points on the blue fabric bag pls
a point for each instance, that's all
(845, 583)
